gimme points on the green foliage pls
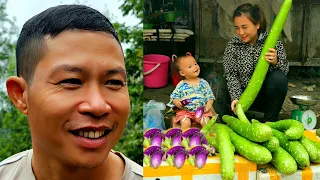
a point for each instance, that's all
(14, 131)
(134, 7)
(131, 142)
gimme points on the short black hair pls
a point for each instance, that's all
(31, 44)
(176, 62)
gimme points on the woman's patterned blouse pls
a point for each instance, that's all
(240, 60)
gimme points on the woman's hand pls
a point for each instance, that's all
(233, 105)
(271, 56)
(177, 103)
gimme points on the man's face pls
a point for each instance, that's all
(78, 103)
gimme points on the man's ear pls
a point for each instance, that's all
(17, 91)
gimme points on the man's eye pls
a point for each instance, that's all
(115, 84)
(71, 81)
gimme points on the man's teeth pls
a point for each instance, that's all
(91, 134)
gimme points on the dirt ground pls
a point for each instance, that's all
(298, 85)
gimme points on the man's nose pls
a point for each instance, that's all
(94, 103)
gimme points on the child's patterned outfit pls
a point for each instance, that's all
(199, 96)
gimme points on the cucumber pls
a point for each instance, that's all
(294, 148)
(255, 83)
(250, 150)
(241, 115)
(226, 155)
(293, 129)
(205, 129)
(317, 145)
(310, 147)
(256, 132)
(283, 161)
(213, 142)
(272, 144)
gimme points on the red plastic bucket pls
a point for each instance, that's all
(155, 70)
(176, 78)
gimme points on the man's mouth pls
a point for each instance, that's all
(91, 134)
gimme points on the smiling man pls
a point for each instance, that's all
(71, 85)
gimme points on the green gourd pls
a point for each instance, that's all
(310, 147)
(252, 151)
(212, 140)
(227, 166)
(293, 129)
(294, 148)
(206, 128)
(272, 144)
(254, 86)
(256, 132)
(283, 161)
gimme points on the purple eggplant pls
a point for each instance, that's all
(156, 140)
(152, 137)
(156, 158)
(179, 159)
(149, 133)
(186, 137)
(153, 156)
(195, 139)
(183, 103)
(201, 158)
(176, 156)
(176, 140)
(199, 112)
(172, 137)
(204, 143)
(198, 156)
(204, 140)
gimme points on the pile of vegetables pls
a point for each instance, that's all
(286, 148)
(175, 146)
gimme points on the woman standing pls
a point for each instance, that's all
(240, 58)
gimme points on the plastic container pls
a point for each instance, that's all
(155, 70)
(152, 116)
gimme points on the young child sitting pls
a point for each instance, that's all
(196, 89)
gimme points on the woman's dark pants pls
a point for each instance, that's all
(269, 100)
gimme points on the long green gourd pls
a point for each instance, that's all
(226, 153)
(254, 86)
(256, 132)
(294, 148)
(293, 129)
(252, 151)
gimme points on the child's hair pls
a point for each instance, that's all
(176, 62)
(253, 13)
